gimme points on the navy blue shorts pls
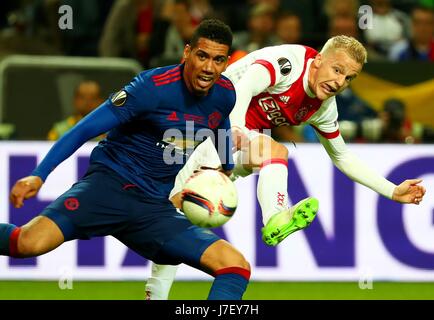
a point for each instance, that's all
(104, 203)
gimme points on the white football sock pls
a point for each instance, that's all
(159, 284)
(272, 188)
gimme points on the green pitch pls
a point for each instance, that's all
(133, 290)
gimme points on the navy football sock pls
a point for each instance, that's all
(229, 284)
(8, 239)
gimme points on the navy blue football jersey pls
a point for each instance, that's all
(161, 123)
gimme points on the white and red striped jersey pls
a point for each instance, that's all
(285, 98)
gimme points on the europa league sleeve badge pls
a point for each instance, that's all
(118, 99)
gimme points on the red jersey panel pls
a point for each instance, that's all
(290, 107)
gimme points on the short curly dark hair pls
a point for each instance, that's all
(212, 29)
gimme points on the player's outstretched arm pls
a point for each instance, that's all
(354, 168)
(98, 121)
(409, 191)
(25, 188)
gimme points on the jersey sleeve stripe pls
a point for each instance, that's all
(224, 84)
(170, 80)
(270, 69)
(168, 72)
(327, 135)
(171, 76)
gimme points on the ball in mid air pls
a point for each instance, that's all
(209, 198)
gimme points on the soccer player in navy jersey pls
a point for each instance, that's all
(126, 188)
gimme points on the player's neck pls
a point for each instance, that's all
(311, 73)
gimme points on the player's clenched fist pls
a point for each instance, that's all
(23, 189)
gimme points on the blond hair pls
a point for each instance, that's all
(350, 45)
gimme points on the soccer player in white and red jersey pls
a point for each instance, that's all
(284, 86)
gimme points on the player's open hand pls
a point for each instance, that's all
(409, 191)
(25, 188)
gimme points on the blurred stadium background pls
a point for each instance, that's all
(360, 247)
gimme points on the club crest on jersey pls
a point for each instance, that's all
(285, 66)
(302, 112)
(118, 99)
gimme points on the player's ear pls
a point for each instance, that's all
(227, 62)
(318, 59)
(225, 65)
(187, 51)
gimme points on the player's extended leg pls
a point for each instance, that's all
(202, 249)
(158, 232)
(162, 276)
(230, 269)
(159, 283)
(35, 238)
(279, 220)
(271, 158)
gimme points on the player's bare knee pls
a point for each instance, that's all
(243, 263)
(279, 151)
(222, 255)
(260, 149)
(38, 236)
(234, 260)
(27, 245)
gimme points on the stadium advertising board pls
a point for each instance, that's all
(357, 234)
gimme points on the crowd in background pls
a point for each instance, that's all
(154, 33)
